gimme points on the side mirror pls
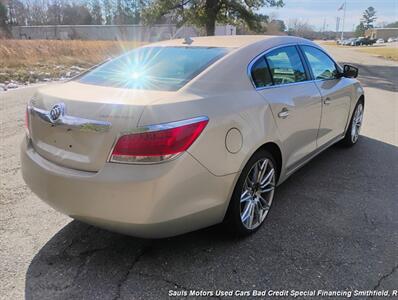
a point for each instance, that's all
(350, 71)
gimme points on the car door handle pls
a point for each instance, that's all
(284, 113)
(327, 101)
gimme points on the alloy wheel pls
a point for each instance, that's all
(356, 123)
(257, 194)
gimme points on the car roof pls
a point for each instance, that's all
(226, 41)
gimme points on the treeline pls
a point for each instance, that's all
(203, 14)
(70, 12)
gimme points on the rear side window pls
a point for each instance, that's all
(286, 66)
(154, 68)
(322, 66)
(260, 73)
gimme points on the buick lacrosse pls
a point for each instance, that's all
(183, 134)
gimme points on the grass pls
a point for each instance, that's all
(35, 60)
(15, 53)
(385, 52)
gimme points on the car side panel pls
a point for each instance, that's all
(299, 130)
(336, 102)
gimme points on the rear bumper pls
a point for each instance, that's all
(150, 201)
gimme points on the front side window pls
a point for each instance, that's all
(286, 65)
(322, 66)
(154, 68)
(260, 73)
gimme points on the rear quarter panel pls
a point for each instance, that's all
(246, 111)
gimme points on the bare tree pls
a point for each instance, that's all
(16, 13)
(37, 12)
(74, 14)
(301, 28)
(4, 30)
(54, 12)
(96, 12)
(108, 11)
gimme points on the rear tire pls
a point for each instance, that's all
(253, 194)
(352, 135)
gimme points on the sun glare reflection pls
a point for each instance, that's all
(153, 68)
(141, 71)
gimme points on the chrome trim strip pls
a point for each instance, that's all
(151, 128)
(168, 125)
(132, 161)
(66, 121)
(283, 85)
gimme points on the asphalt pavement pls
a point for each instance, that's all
(333, 224)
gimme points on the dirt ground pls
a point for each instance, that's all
(333, 225)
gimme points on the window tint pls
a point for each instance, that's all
(321, 65)
(154, 68)
(286, 66)
(260, 73)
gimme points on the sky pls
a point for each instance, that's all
(316, 12)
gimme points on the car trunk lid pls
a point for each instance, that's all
(75, 125)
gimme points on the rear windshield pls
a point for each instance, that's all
(154, 68)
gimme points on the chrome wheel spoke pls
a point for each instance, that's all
(267, 180)
(267, 189)
(356, 123)
(252, 177)
(248, 186)
(246, 196)
(251, 215)
(248, 183)
(263, 203)
(259, 212)
(246, 213)
(256, 172)
(263, 169)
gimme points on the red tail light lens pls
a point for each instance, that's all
(158, 142)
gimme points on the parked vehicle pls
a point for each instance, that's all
(183, 134)
(363, 41)
(379, 41)
(347, 42)
(391, 40)
(354, 40)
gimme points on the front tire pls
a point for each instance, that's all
(253, 194)
(352, 135)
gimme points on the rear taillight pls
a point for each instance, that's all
(158, 142)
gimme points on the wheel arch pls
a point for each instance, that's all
(276, 152)
(361, 99)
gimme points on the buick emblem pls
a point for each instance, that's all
(57, 111)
